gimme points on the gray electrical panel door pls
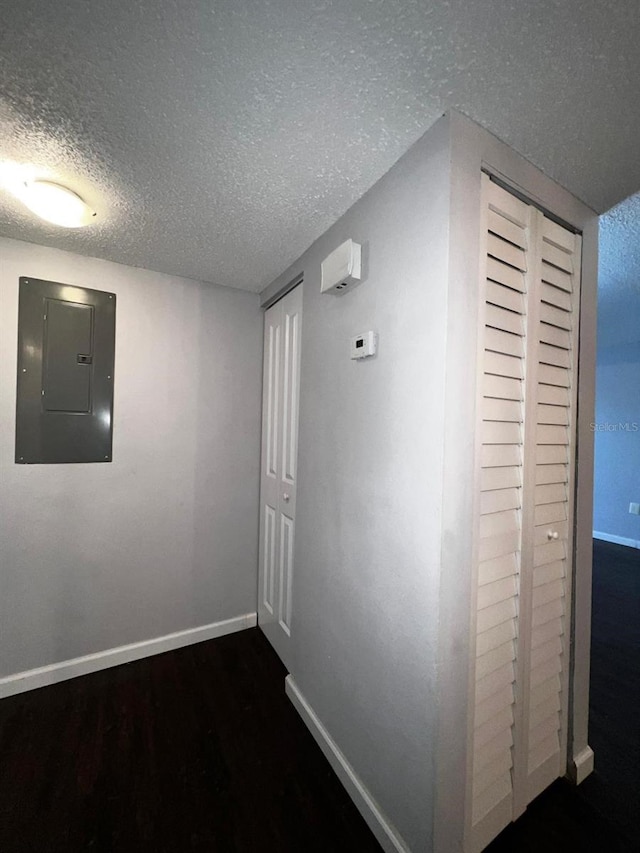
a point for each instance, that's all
(66, 343)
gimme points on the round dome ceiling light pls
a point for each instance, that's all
(57, 204)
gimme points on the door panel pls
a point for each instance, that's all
(278, 486)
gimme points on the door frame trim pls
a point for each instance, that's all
(269, 297)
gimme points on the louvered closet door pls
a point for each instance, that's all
(549, 474)
(506, 251)
(519, 669)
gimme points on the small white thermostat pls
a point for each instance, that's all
(341, 268)
(362, 346)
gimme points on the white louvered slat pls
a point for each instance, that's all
(541, 752)
(498, 224)
(542, 691)
(558, 278)
(549, 552)
(495, 723)
(492, 706)
(491, 797)
(557, 415)
(550, 513)
(545, 612)
(503, 365)
(498, 341)
(557, 257)
(496, 680)
(546, 651)
(501, 478)
(558, 236)
(498, 568)
(499, 523)
(506, 252)
(550, 434)
(495, 637)
(501, 388)
(501, 318)
(551, 375)
(542, 633)
(494, 659)
(506, 204)
(489, 617)
(553, 355)
(499, 499)
(555, 296)
(501, 410)
(546, 593)
(504, 274)
(548, 572)
(545, 709)
(551, 474)
(499, 545)
(550, 493)
(555, 336)
(555, 316)
(492, 593)
(551, 454)
(505, 297)
(499, 432)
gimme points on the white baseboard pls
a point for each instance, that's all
(582, 765)
(617, 540)
(44, 675)
(384, 831)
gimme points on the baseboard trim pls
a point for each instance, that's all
(52, 674)
(582, 765)
(617, 540)
(384, 831)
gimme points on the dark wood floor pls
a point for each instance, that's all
(194, 751)
(200, 750)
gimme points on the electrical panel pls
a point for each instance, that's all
(66, 345)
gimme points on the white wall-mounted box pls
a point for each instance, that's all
(342, 268)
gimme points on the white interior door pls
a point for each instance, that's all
(278, 482)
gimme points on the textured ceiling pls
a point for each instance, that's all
(217, 140)
(619, 275)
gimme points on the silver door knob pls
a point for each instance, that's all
(285, 498)
(552, 534)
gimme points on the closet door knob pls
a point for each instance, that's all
(552, 534)
(285, 498)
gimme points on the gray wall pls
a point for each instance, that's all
(164, 538)
(367, 549)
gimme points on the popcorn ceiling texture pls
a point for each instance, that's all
(619, 275)
(217, 140)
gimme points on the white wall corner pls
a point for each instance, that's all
(31, 679)
(384, 831)
(581, 765)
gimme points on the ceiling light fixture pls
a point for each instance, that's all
(55, 203)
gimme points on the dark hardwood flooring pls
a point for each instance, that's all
(200, 751)
(193, 751)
